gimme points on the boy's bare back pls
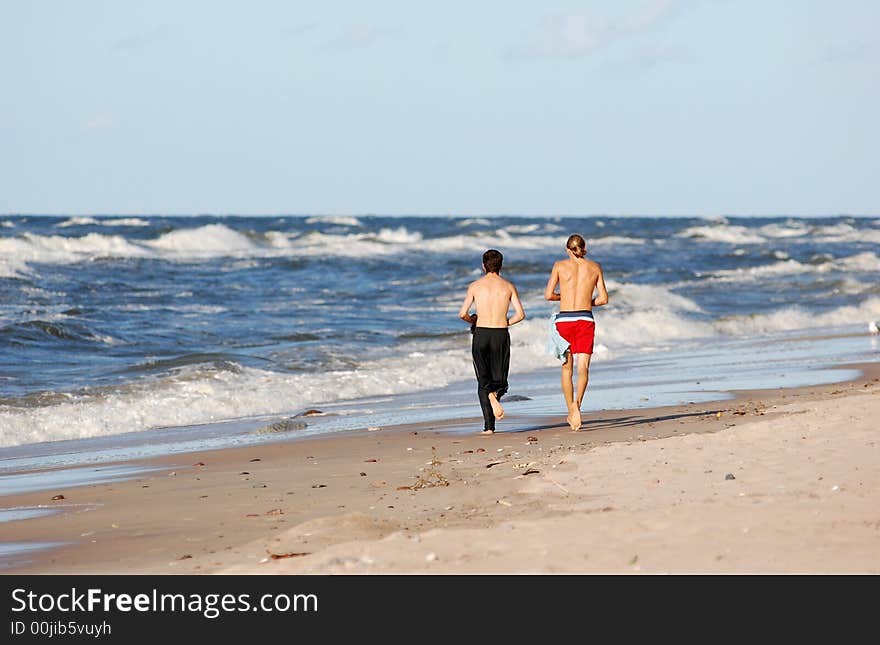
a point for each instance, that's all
(577, 279)
(493, 295)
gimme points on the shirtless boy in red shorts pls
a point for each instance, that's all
(577, 278)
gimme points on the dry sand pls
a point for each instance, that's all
(781, 481)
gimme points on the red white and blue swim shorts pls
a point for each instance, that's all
(578, 329)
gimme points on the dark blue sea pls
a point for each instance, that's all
(115, 325)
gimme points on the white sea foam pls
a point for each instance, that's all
(865, 262)
(474, 221)
(846, 233)
(195, 395)
(7, 224)
(211, 240)
(385, 242)
(398, 236)
(339, 220)
(401, 240)
(786, 267)
(218, 240)
(787, 230)
(12, 268)
(214, 240)
(77, 221)
(196, 309)
(790, 318)
(124, 221)
(522, 228)
(58, 249)
(614, 239)
(791, 230)
(106, 221)
(723, 233)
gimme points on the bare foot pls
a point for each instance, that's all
(487, 432)
(574, 417)
(497, 410)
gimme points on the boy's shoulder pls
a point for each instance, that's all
(508, 283)
(476, 284)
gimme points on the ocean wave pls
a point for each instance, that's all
(7, 223)
(218, 240)
(791, 231)
(614, 239)
(526, 229)
(788, 230)
(196, 394)
(793, 318)
(786, 267)
(522, 229)
(866, 262)
(339, 220)
(77, 221)
(104, 221)
(12, 268)
(715, 219)
(844, 232)
(57, 249)
(198, 389)
(400, 240)
(41, 330)
(211, 240)
(124, 221)
(726, 233)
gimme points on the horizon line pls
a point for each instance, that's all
(446, 215)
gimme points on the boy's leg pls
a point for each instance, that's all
(574, 417)
(488, 412)
(479, 353)
(583, 367)
(500, 366)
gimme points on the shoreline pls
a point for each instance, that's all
(289, 506)
(673, 377)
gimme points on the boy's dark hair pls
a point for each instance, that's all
(492, 260)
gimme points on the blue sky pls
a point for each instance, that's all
(653, 107)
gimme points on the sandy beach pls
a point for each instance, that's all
(778, 481)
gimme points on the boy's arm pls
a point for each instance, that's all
(602, 298)
(519, 312)
(464, 313)
(550, 291)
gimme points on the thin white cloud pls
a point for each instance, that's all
(300, 29)
(564, 36)
(573, 35)
(850, 52)
(362, 36)
(99, 122)
(139, 40)
(648, 58)
(650, 16)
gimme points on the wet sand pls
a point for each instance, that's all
(771, 481)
